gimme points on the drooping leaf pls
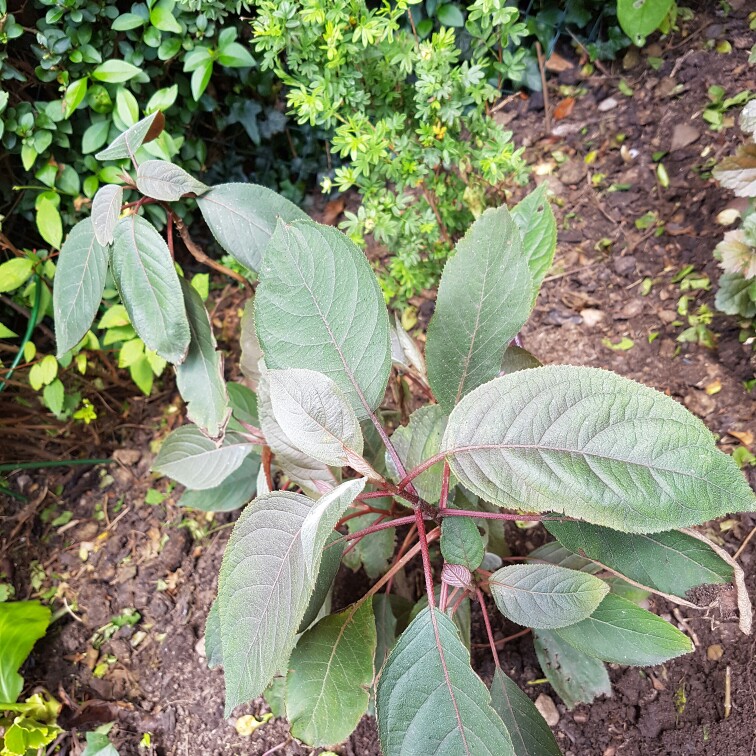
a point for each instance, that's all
(316, 416)
(417, 441)
(671, 562)
(79, 284)
(106, 208)
(374, 552)
(461, 542)
(233, 492)
(195, 461)
(736, 295)
(213, 646)
(621, 632)
(149, 285)
(515, 358)
(265, 583)
(165, 181)
(484, 298)
(318, 306)
(430, 701)
(567, 439)
(545, 596)
(554, 553)
(639, 18)
(330, 671)
(243, 217)
(405, 353)
(199, 377)
(275, 697)
(385, 628)
(576, 677)
(535, 220)
(126, 144)
(738, 172)
(243, 403)
(530, 734)
(22, 624)
(251, 352)
(329, 566)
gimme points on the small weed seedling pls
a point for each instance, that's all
(616, 471)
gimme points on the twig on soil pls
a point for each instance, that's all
(743, 545)
(503, 641)
(278, 747)
(728, 692)
(545, 90)
(684, 622)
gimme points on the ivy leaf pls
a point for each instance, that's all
(165, 181)
(233, 492)
(149, 285)
(545, 596)
(126, 144)
(265, 584)
(79, 284)
(195, 461)
(429, 700)
(565, 439)
(316, 416)
(200, 376)
(330, 671)
(242, 218)
(671, 562)
(106, 207)
(530, 734)
(461, 542)
(22, 624)
(484, 298)
(576, 677)
(621, 632)
(738, 172)
(318, 306)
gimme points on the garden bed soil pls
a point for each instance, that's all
(116, 552)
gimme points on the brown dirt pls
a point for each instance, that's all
(118, 552)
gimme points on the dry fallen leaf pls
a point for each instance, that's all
(745, 437)
(564, 108)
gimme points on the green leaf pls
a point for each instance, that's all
(515, 358)
(385, 627)
(251, 353)
(162, 18)
(127, 143)
(330, 671)
(127, 21)
(316, 416)
(545, 596)
(736, 295)
(165, 181)
(418, 441)
(576, 677)
(195, 461)
(243, 403)
(200, 376)
(143, 270)
(6, 333)
(329, 566)
(74, 96)
(162, 99)
(22, 624)
(671, 562)
(78, 286)
(621, 632)
(15, 273)
(429, 700)
(484, 298)
(234, 55)
(54, 394)
(106, 209)
(638, 18)
(235, 491)
(530, 734)
(44, 372)
(201, 77)
(461, 542)
(98, 744)
(213, 645)
(450, 15)
(266, 579)
(318, 306)
(49, 222)
(594, 445)
(115, 71)
(242, 218)
(127, 107)
(535, 220)
(95, 136)
(374, 552)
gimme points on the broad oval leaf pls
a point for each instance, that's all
(316, 416)
(516, 358)
(545, 596)
(530, 734)
(126, 144)
(165, 181)
(266, 581)
(330, 672)
(429, 700)
(200, 376)
(576, 677)
(106, 209)
(621, 632)
(318, 306)
(594, 445)
(232, 493)
(738, 172)
(373, 553)
(461, 542)
(149, 285)
(242, 218)
(79, 284)
(484, 298)
(195, 461)
(671, 562)
(22, 624)
(638, 18)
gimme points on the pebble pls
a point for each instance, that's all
(624, 266)
(591, 317)
(546, 706)
(714, 652)
(608, 104)
(572, 172)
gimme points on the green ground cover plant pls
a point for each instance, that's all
(617, 472)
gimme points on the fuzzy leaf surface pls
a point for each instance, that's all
(591, 444)
(106, 208)
(329, 566)
(233, 492)
(318, 306)
(165, 181)
(79, 284)
(126, 144)
(461, 542)
(213, 647)
(484, 298)
(738, 172)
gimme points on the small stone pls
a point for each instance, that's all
(654, 50)
(546, 706)
(127, 457)
(591, 317)
(667, 317)
(199, 647)
(572, 172)
(631, 310)
(714, 652)
(683, 135)
(608, 104)
(624, 266)
(728, 216)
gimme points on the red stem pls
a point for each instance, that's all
(499, 516)
(487, 622)
(419, 470)
(169, 233)
(352, 546)
(375, 528)
(405, 545)
(366, 511)
(445, 486)
(426, 558)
